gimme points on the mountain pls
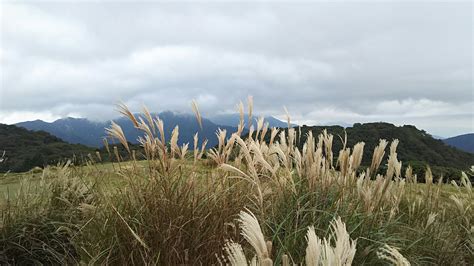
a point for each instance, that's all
(416, 147)
(72, 130)
(188, 126)
(86, 132)
(25, 149)
(463, 142)
(234, 119)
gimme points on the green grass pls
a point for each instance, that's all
(106, 175)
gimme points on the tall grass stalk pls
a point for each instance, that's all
(254, 199)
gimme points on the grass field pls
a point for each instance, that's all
(247, 202)
(10, 182)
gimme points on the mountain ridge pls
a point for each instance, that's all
(91, 133)
(417, 147)
(463, 142)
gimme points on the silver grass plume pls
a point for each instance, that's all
(252, 232)
(392, 255)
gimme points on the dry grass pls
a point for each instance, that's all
(180, 209)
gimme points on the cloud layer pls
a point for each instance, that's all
(326, 62)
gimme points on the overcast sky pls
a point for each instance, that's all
(400, 62)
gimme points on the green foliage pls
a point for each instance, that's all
(37, 241)
(417, 148)
(25, 149)
(39, 224)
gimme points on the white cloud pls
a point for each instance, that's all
(350, 62)
(41, 32)
(442, 118)
(14, 117)
(422, 107)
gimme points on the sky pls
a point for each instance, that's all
(326, 62)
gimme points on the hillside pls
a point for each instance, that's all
(86, 132)
(416, 147)
(26, 149)
(463, 142)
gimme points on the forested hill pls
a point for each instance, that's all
(25, 149)
(416, 147)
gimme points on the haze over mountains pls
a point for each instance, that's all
(233, 120)
(417, 147)
(463, 142)
(90, 133)
(26, 149)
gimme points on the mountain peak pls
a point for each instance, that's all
(90, 133)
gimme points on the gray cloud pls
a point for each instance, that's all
(327, 62)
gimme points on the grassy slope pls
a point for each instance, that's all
(107, 175)
(287, 213)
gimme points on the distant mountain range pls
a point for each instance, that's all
(463, 142)
(90, 133)
(72, 130)
(26, 149)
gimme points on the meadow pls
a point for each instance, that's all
(245, 202)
